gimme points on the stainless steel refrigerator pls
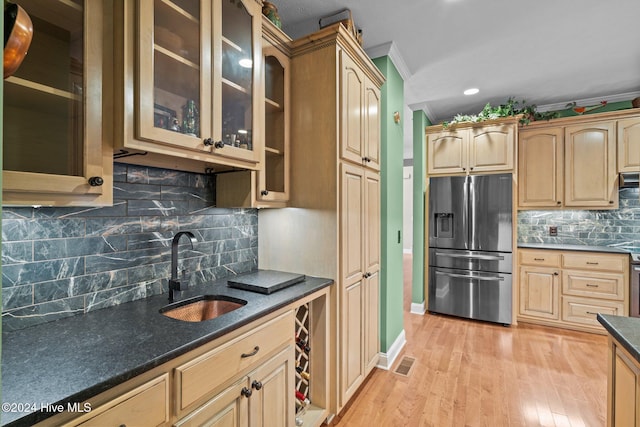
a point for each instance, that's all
(470, 246)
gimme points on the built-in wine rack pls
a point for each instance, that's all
(303, 350)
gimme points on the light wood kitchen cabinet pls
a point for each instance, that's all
(361, 106)
(146, 405)
(57, 131)
(477, 149)
(360, 257)
(629, 145)
(624, 387)
(269, 186)
(188, 82)
(336, 196)
(569, 288)
(540, 292)
(540, 168)
(573, 162)
(590, 165)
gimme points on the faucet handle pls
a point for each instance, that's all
(176, 285)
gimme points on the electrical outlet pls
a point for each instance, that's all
(553, 230)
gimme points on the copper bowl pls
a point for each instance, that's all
(18, 32)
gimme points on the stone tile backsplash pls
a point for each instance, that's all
(618, 228)
(58, 262)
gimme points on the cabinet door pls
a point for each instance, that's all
(371, 326)
(590, 165)
(229, 408)
(629, 145)
(236, 81)
(539, 292)
(273, 178)
(540, 168)
(447, 152)
(174, 73)
(352, 322)
(372, 126)
(491, 148)
(352, 239)
(55, 145)
(371, 214)
(272, 399)
(351, 110)
(625, 389)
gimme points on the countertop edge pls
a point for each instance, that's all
(618, 335)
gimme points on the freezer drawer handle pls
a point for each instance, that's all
(486, 257)
(463, 276)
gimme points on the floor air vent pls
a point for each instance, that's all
(405, 366)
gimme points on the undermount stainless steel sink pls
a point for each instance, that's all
(201, 308)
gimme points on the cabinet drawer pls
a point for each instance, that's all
(584, 310)
(206, 373)
(593, 284)
(539, 258)
(595, 262)
(147, 405)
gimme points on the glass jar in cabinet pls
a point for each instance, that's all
(55, 151)
(193, 77)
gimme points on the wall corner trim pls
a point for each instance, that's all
(387, 359)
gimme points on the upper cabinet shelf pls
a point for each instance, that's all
(55, 144)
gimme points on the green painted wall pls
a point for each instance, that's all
(420, 121)
(391, 273)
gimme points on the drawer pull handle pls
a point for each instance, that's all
(538, 259)
(256, 384)
(246, 392)
(592, 263)
(253, 353)
(591, 312)
(591, 286)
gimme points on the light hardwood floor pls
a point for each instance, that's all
(469, 373)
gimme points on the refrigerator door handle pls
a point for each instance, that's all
(465, 276)
(485, 257)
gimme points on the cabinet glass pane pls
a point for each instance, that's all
(176, 71)
(274, 124)
(43, 100)
(237, 75)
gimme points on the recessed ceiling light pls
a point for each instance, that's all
(471, 91)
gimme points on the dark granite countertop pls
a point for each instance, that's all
(626, 330)
(75, 358)
(563, 247)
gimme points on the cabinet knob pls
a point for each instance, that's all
(96, 181)
(246, 392)
(218, 144)
(610, 202)
(264, 192)
(558, 202)
(471, 168)
(256, 384)
(555, 273)
(208, 142)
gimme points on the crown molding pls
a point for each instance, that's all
(424, 107)
(389, 49)
(588, 101)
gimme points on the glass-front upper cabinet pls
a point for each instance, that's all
(196, 76)
(53, 150)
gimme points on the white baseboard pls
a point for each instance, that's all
(418, 308)
(386, 359)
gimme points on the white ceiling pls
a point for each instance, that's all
(542, 51)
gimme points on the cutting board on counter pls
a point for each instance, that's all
(265, 281)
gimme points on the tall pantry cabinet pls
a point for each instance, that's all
(335, 196)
